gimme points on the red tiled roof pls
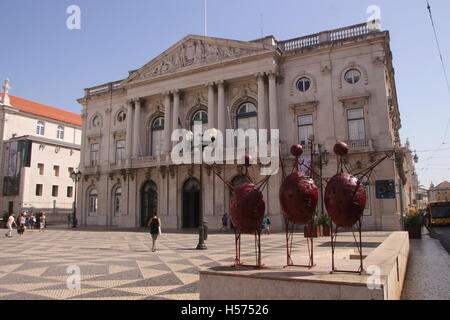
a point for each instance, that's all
(443, 185)
(43, 110)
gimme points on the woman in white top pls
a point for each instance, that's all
(9, 224)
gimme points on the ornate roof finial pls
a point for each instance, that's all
(6, 88)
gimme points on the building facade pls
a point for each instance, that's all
(332, 86)
(40, 148)
(441, 192)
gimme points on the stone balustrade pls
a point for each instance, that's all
(318, 38)
(109, 87)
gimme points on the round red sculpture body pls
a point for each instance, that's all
(247, 207)
(340, 148)
(296, 150)
(298, 198)
(345, 199)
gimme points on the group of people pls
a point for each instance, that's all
(24, 222)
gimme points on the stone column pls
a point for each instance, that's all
(128, 141)
(167, 121)
(274, 182)
(273, 102)
(176, 109)
(211, 105)
(137, 127)
(261, 101)
(221, 114)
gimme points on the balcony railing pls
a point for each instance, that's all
(326, 36)
(356, 145)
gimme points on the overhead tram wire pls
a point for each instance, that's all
(445, 76)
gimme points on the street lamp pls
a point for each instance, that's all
(323, 160)
(201, 228)
(76, 176)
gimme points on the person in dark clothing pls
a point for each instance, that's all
(155, 229)
(225, 222)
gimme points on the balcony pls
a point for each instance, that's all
(360, 145)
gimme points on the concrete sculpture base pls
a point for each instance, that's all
(383, 279)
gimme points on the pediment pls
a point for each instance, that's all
(196, 51)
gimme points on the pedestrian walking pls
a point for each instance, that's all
(266, 225)
(155, 229)
(42, 222)
(9, 223)
(22, 224)
(225, 222)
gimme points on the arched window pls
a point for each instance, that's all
(117, 198)
(93, 202)
(60, 132)
(157, 137)
(40, 129)
(121, 116)
(200, 116)
(246, 117)
(96, 121)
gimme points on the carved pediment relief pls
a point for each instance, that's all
(194, 51)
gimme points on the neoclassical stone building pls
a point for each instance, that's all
(331, 86)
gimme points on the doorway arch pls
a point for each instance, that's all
(149, 201)
(191, 203)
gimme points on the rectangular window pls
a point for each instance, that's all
(94, 154)
(54, 191)
(69, 192)
(120, 150)
(41, 169)
(70, 172)
(39, 190)
(305, 128)
(356, 126)
(56, 170)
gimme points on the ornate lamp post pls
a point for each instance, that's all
(201, 228)
(323, 160)
(76, 176)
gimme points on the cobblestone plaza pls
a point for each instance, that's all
(120, 264)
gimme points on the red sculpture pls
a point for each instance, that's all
(247, 207)
(298, 199)
(345, 199)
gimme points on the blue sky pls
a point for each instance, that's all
(51, 64)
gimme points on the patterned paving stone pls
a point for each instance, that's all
(121, 265)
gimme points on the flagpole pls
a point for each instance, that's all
(206, 34)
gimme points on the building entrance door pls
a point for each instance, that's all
(10, 207)
(191, 203)
(149, 202)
